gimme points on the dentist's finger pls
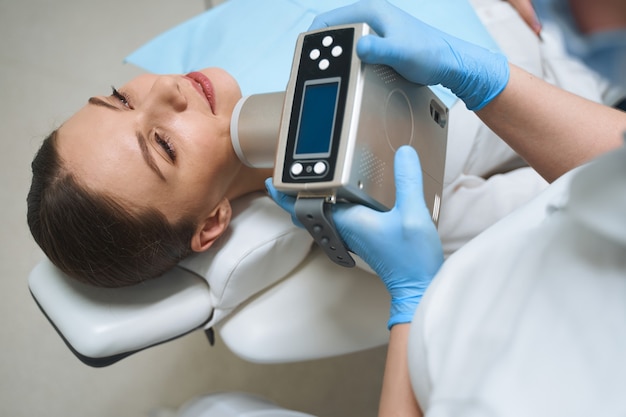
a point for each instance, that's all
(284, 201)
(409, 181)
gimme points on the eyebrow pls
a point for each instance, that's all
(147, 156)
(145, 152)
(99, 102)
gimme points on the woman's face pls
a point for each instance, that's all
(160, 141)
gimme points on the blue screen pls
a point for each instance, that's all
(317, 118)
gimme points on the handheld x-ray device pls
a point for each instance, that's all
(340, 125)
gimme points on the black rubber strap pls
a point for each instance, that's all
(315, 215)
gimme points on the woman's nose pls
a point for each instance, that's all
(166, 90)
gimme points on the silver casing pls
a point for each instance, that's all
(382, 112)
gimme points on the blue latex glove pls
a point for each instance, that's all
(421, 53)
(402, 245)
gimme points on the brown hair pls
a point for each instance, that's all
(93, 238)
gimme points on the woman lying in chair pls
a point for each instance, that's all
(136, 181)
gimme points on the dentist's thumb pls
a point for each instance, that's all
(408, 180)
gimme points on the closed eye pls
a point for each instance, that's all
(167, 146)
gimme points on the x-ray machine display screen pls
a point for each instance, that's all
(317, 118)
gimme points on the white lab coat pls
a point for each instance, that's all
(529, 318)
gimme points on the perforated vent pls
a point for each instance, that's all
(386, 74)
(372, 168)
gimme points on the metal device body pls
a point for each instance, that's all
(332, 135)
(343, 120)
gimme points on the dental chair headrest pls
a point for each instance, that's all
(103, 325)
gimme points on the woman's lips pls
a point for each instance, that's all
(204, 87)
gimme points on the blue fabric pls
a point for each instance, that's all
(254, 40)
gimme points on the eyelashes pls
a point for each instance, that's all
(166, 144)
(121, 96)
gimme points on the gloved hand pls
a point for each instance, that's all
(421, 53)
(402, 245)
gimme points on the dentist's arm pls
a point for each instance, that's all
(553, 130)
(403, 248)
(396, 397)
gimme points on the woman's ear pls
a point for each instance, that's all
(212, 227)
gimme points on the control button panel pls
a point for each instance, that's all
(308, 169)
(326, 44)
(319, 101)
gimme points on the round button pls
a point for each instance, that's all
(324, 64)
(336, 51)
(296, 168)
(327, 41)
(319, 168)
(314, 54)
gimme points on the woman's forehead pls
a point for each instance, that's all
(95, 143)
